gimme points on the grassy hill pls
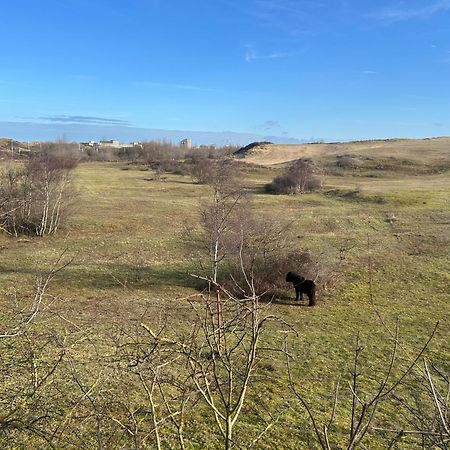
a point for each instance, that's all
(428, 151)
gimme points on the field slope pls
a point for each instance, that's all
(432, 150)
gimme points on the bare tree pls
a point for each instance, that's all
(365, 402)
(38, 197)
(221, 360)
(426, 409)
(30, 361)
(25, 318)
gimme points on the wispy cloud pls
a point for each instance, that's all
(251, 55)
(278, 13)
(369, 72)
(403, 14)
(270, 125)
(158, 85)
(85, 120)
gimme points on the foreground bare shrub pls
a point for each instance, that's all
(36, 198)
(366, 394)
(220, 359)
(212, 386)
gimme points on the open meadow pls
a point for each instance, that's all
(381, 235)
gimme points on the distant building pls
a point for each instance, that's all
(186, 143)
(88, 144)
(110, 143)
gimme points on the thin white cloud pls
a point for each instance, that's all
(251, 55)
(405, 14)
(369, 72)
(155, 84)
(292, 18)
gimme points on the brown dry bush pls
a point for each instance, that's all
(297, 179)
(348, 161)
(37, 197)
(268, 274)
(245, 251)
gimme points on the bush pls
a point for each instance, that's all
(214, 173)
(37, 197)
(348, 162)
(268, 271)
(297, 179)
(245, 251)
(201, 170)
(169, 166)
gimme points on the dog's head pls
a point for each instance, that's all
(293, 277)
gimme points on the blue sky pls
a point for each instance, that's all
(332, 69)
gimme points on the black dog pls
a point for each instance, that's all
(302, 286)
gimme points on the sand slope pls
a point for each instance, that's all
(412, 149)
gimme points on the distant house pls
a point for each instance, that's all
(89, 144)
(186, 143)
(110, 143)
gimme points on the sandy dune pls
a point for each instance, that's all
(271, 154)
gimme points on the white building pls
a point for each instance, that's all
(186, 143)
(111, 143)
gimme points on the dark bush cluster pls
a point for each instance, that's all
(297, 179)
(268, 273)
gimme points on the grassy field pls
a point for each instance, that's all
(131, 264)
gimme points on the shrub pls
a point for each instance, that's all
(169, 166)
(247, 252)
(297, 179)
(202, 170)
(268, 271)
(37, 197)
(348, 162)
(218, 174)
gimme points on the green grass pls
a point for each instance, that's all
(130, 257)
